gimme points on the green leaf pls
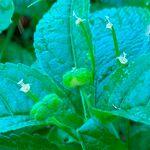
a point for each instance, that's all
(127, 91)
(123, 89)
(19, 124)
(97, 136)
(14, 103)
(103, 116)
(57, 36)
(6, 12)
(25, 141)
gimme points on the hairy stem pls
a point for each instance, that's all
(86, 33)
(91, 48)
(83, 100)
(33, 97)
(117, 51)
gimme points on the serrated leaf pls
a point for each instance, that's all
(64, 38)
(127, 91)
(6, 12)
(123, 88)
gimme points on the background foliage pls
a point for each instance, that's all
(41, 43)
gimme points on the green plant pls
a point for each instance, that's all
(89, 87)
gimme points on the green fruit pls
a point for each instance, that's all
(41, 113)
(49, 105)
(76, 77)
(35, 108)
(52, 102)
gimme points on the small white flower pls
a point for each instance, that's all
(78, 19)
(122, 58)
(109, 25)
(24, 87)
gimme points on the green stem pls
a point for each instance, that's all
(76, 66)
(33, 97)
(81, 141)
(84, 104)
(117, 51)
(71, 37)
(87, 36)
(91, 48)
